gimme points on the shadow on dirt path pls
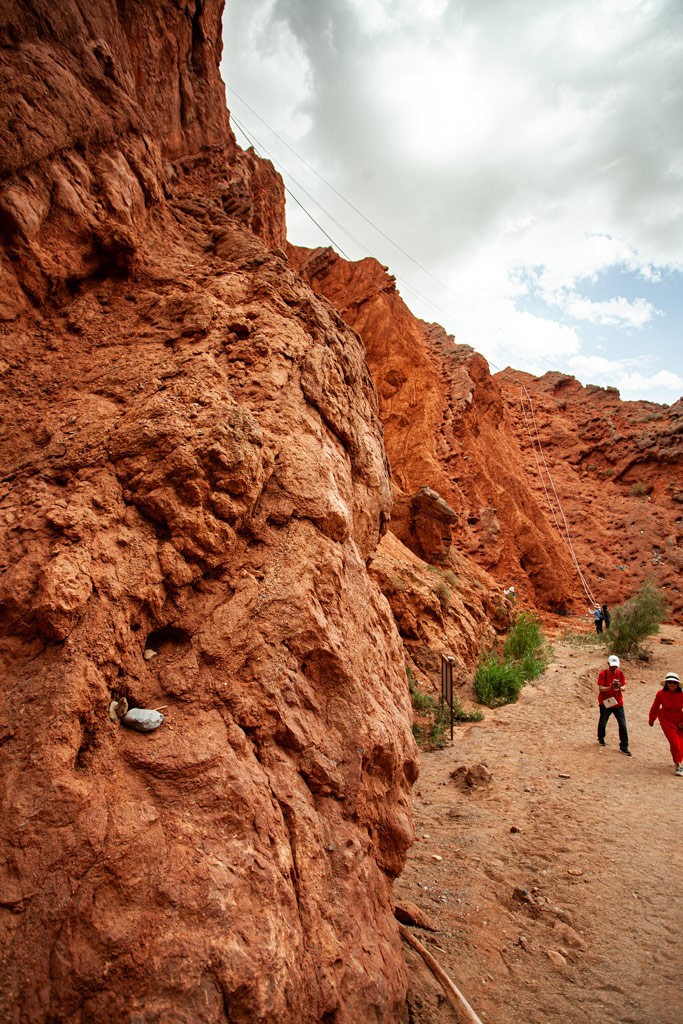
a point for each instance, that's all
(556, 884)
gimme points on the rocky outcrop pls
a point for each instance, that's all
(452, 612)
(430, 525)
(192, 484)
(447, 428)
(618, 468)
(108, 105)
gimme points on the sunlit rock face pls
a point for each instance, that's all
(193, 483)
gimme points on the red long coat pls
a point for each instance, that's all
(668, 708)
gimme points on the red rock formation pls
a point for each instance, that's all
(447, 428)
(193, 468)
(618, 469)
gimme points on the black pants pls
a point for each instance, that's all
(620, 716)
(598, 625)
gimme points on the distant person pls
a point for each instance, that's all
(606, 617)
(668, 708)
(597, 616)
(611, 682)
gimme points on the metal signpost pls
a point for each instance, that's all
(447, 684)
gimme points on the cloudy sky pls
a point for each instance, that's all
(517, 166)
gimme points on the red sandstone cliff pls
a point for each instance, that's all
(192, 465)
(618, 468)
(453, 427)
(447, 428)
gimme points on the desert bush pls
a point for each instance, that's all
(496, 681)
(444, 596)
(498, 678)
(636, 620)
(638, 490)
(525, 640)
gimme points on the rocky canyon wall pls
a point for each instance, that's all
(448, 428)
(193, 482)
(618, 467)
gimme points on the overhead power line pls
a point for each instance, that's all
(448, 289)
(251, 139)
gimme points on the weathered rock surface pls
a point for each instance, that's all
(446, 428)
(618, 467)
(193, 466)
(452, 427)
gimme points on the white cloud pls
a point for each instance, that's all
(614, 312)
(515, 151)
(631, 382)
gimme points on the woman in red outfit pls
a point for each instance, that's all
(668, 708)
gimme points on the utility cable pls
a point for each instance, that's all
(376, 228)
(255, 143)
(568, 542)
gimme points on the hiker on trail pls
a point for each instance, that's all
(668, 708)
(597, 615)
(611, 682)
(606, 617)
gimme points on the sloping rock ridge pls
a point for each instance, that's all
(447, 428)
(453, 428)
(193, 483)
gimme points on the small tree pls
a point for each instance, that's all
(636, 620)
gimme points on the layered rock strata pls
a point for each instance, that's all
(618, 467)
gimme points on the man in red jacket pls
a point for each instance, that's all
(611, 682)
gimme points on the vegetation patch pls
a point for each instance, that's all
(500, 675)
(433, 717)
(636, 620)
(638, 490)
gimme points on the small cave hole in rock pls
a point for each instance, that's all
(84, 754)
(167, 636)
(472, 520)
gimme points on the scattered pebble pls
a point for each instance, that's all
(563, 775)
(556, 957)
(149, 654)
(574, 871)
(435, 856)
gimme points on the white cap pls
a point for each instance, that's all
(672, 677)
(613, 661)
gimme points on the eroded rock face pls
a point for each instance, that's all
(619, 469)
(195, 468)
(447, 428)
(108, 105)
(430, 525)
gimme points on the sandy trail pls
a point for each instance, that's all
(597, 940)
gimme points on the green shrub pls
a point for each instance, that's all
(497, 682)
(638, 490)
(636, 620)
(432, 732)
(525, 638)
(444, 596)
(499, 678)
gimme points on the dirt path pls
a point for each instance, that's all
(596, 937)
